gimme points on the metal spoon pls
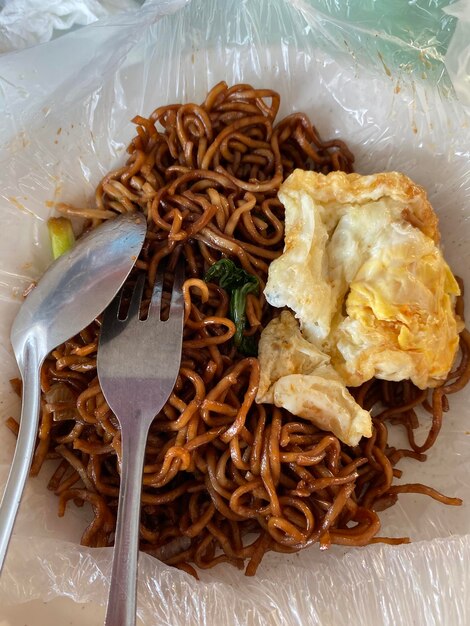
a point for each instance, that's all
(75, 289)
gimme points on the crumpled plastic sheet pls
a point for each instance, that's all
(28, 22)
(67, 109)
(410, 39)
(408, 585)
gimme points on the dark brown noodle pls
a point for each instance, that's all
(225, 479)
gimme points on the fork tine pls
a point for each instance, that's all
(177, 300)
(112, 310)
(136, 298)
(156, 301)
(110, 316)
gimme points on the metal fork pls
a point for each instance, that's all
(138, 363)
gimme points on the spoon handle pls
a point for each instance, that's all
(24, 446)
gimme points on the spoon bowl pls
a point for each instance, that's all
(79, 285)
(75, 289)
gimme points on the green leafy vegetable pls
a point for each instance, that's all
(61, 234)
(238, 284)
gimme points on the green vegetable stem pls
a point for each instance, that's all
(61, 234)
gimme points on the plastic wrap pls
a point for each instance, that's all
(457, 58)
(24, 23)
(67, 109)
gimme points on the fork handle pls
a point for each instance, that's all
(121, 610)
(30, 372)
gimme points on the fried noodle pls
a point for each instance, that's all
(225, 479)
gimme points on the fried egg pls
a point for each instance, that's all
(363, 272)
(298, 376)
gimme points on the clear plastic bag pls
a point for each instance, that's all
(25, 23)
(67, 108)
